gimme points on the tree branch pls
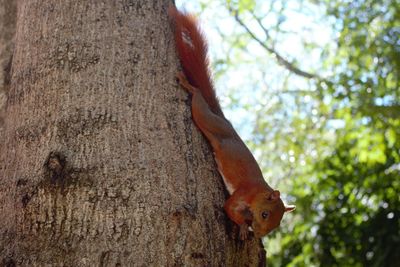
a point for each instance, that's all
(281, 60)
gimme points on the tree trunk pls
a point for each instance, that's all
(101, 164)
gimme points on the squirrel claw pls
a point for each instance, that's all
(243, 232)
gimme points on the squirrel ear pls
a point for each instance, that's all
(289, 208)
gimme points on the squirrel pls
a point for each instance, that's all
(252, 204)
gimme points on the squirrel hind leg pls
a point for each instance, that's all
(185, 83)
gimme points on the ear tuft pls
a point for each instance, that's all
(289, 208)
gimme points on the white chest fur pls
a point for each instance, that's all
(228, 185)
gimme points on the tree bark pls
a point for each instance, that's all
(8, 11)
(101, 164)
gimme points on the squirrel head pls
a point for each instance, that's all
(267, 212)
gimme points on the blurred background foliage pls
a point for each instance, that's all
(313, 87)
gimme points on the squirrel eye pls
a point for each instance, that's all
(264, 214)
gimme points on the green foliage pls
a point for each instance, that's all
(242, 5)
(354, 205)
(368, 60)
(351, 215)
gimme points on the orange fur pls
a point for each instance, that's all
(192, 51)
(252, 202)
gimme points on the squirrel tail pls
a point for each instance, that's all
(191, 47)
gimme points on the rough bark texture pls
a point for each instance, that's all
(8, 11)
(100, 162)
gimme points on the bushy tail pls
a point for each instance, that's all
(191, 47)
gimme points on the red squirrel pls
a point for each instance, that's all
(252, 204)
